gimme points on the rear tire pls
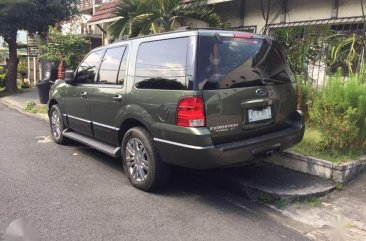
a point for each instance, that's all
(57, 125)
(141, 160)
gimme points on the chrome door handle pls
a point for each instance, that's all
(117, 97)
(83, 94)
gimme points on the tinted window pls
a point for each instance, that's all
(87, 68)
(162, 64)
(110, 65)
(240, 62)
(122, 69)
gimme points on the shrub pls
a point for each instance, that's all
(307, 95)
(2, 76)
(339, 112)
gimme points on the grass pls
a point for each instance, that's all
(311, 202)
(32, 107)
(311, 141)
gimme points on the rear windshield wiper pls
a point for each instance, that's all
(272, 81)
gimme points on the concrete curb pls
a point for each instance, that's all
(340, 173)
(11, 105)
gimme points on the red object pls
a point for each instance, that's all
(191, 112)
(106, 11)
(61, 70)
(244, 35)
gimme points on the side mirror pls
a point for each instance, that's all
(69, 76)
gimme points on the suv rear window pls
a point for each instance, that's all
(230, 62)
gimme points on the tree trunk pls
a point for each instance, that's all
(12, 64)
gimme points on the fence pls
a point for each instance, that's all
(318, 48)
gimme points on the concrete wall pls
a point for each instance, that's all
(298, 10)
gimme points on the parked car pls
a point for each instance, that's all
(197, 98)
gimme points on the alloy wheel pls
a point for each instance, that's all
(137, 159)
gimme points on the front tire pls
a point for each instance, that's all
(141, 160)
(57, 125)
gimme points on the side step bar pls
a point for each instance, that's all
(100, 146)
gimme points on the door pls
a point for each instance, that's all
(77, 94)
(107, 101)
(247, 86)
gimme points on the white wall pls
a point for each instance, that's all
(300, 10)
(350, 8)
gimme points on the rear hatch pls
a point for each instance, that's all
(247, 85)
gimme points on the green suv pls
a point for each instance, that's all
(196, 98)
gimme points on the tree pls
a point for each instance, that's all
(68, 47)
(271, 10)
(33, 16)
(146, 16)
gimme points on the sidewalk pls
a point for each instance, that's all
(19, 101)
(339, 216)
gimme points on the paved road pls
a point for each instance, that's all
(76, 193)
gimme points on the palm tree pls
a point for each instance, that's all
(155, 16)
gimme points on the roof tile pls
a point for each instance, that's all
(104, 12)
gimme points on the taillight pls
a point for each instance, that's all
(244, 35)
(191, 112)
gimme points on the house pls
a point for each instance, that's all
(102, 19)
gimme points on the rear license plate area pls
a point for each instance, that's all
(259, 114)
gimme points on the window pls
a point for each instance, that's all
(122, 69)
(240, 62)
(162, 64)
(110, 64)
(86, 70)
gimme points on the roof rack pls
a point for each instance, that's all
(186, 28)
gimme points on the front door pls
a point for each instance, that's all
(77, 94)
(107, 101)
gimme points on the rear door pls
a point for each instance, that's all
(247, 85)
(107, 101)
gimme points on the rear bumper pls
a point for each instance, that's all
(229, 154)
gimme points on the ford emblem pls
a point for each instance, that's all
(261, 92)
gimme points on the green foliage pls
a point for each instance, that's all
(307, 94)
(32, 107)
(146, 16)
(34, 15)
(271, 199)
(302, 45)
(312, 143)
(67, 46)
(2, 76)
(345, 51)
(340, 115)
(339, 187)
(29, 106)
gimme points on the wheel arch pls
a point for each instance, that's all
(51, 102)
(128, 124)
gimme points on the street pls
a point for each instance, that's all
(76, 193)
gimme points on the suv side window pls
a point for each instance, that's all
(162, 64)
(87, 68)
(110, 64)
(122, 69)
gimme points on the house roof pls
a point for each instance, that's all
(105, 13)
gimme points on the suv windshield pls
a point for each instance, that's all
(240, 62)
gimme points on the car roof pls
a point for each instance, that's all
(181, 32)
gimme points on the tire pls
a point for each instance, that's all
(141, 161)
(57, 125)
